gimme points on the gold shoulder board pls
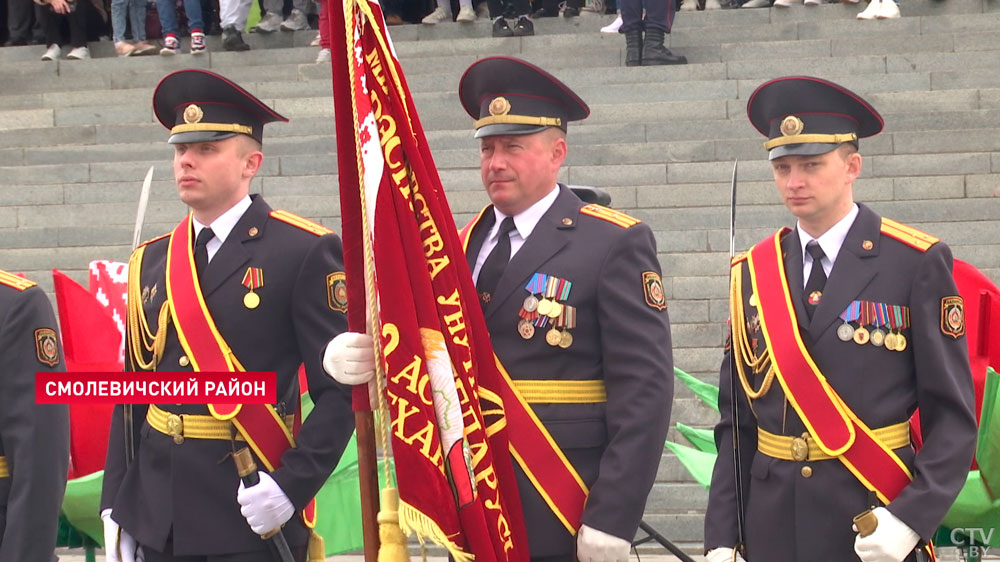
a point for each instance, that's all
(151, 240)
(609, 215)
(15, 282)
(908, 235)
(301, 222)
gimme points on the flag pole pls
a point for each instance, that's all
(350, 198)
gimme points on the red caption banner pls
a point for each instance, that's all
(161, 387)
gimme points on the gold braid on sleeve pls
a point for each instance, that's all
(741, 347)
(141, 341)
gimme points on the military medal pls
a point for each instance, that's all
(890, 341)
(548, 301)
(881, 319)
(753, 299)
(252, 279)
(553, 337)
(556, 310)
(904, 314)
(861, 335)
(534, 287)
(525, 329)
(846, 332)
(568, 322)
(544, 306)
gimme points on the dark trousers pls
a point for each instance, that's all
(659, 15)
(509, 8)
(20, 18)
(55, 25)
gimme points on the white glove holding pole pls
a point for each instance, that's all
(264, 505)
(723, 554)
(597, 546)
(892, 540)
(350, 358)
(117, 540)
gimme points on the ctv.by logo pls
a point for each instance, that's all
(970, 540)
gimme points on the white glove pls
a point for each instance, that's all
(264, 505)
(597, 546)
(723, 554)
(350, 358)
(892, 540)
(129, 549)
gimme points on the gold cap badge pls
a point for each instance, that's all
(193, 114)
(499, 106)
(791, 126)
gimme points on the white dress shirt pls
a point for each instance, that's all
(830, 241)
(524, 223)
(222, 226)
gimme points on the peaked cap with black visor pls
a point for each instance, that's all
(807, 116)
(201, 106)
(507, 96)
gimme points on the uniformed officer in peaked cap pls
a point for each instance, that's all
(201, 106)
(257, 289)
(507, 96)
(34, 438)
(576, 310)
(860, 320)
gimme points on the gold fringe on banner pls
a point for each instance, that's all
(411, 520)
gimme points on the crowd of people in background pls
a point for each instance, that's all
(64, 27)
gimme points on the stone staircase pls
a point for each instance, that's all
(76, 138)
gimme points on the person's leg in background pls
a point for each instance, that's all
(77, 20)
(51, 23)
(196, 23)
(297, 19)
(137, 17)
(324, 32)
(233, 14)
(20, 18)
(656, 25)
(167, 11)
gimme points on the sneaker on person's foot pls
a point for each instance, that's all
(523, 27)
(270, 23)
(296, 21)
(466, 14)
(232, 40)
(142, 48)
(198, 43)
(52, 53)
(79, 53)
(887, 10)
(316, 40)
(323, 56)
(170, 46)
(439, 15)
(501, 28)
(614, 26)
(757, 4)
(124, 49)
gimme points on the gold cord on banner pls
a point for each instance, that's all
(392, 541)
(394, 514)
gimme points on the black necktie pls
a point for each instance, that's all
(495, 263)
(817, 278)
(201, 250)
